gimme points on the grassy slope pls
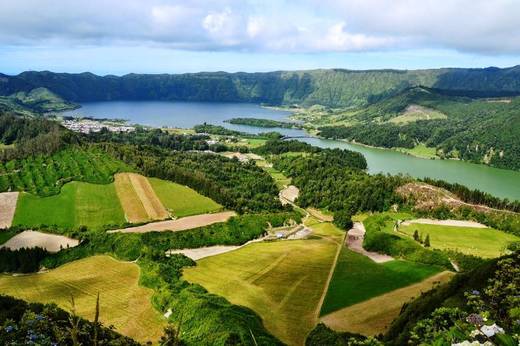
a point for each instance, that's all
(77, 204)
(181, 200)
(123, 303)
(357, 278)
(483, 242)
(282, 281)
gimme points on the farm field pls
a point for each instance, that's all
(483, 242)
(181, 200)
(8, 202)
(49, 242)
(138, 199)
(77, 204)
(123, 302)
(282, 281)
(357, 278)
(375, 315)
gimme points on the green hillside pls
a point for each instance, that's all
(334, 87)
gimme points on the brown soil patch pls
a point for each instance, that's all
(203, 252)
(374, 316)
(138, 199)
(7, 208)
(428, 197)
(355, 237)
(181, 224)
(289, 194)
(456, 223)
(31, 239)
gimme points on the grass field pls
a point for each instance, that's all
(421, 150)
(374, 316)
(357, 278)
(181, 200)
(483, 242)
(123, 303)
(77, 204)
(281, 281)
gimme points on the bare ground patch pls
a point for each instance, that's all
(181, 224)
(31, 239)
(7, 208)
(374, 316)
(355, 238)
(196, 254)
(456, 223)
(289, 194)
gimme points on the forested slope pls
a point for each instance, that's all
(334, 87)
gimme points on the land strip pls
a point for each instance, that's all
(181, 224)
(8, 202)
(31, 239)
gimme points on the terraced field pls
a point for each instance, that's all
(181, 200)
(77, 204)
(124, 303)
(483, 242)
(282, 281)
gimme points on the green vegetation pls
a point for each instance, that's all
(78, 204)
(421, 150)
(334, 87)
(482, 242)
(181, 200)
(45, 175)
(116, 282)
(242, 187)
(281, 281)
(46, 324)
(357, 278)
(36, 101)
(263, 123)
(473, 130)
(442, 316)
(380, 237)
(5, 235)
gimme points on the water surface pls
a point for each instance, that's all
(499, 182)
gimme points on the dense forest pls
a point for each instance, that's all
(263, 123)
(458, 127)
(335, 87)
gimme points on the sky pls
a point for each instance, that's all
(176, 36)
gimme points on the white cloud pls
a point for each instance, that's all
(480, 26)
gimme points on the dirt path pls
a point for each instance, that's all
(457, 223)
(355, 238)
(319, 215)
(203, 252)
(375, 315)
(7, 208)
(181, 224)
(30, 239)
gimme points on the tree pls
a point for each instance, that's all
(171, 337)
(416, 235)
(427, 241)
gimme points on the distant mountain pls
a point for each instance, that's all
(334, 87)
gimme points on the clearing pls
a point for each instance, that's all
(78, 204)
(415, 113)
(30, 239)
(138, 198)
(482, 242)
(181, 200)
(357, 278)
(7, 208)
(289, 194)
(355, 238)
(181, 224)
(282, 281)
(123, 302)
(375, 315)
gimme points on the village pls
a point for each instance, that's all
(88, 126)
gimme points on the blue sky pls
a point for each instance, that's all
(169, 36)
